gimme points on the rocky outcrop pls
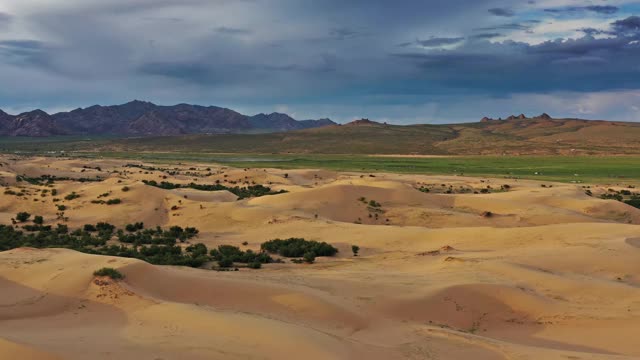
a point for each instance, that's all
(543, 116)
(363, 122)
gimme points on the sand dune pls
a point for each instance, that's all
(529, 272)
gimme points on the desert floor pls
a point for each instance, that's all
(549, 273)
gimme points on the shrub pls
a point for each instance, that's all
(297, 247)
(134, 227)
(234, 254)
(225, 263)
(254, 265)
(197, 249)
(113, 201)
(633, 202)
(39, 220)
(487, 214)
(61, 207)
(72, 196)
(309, 257)
(109, 272)
(125, 188)
(355, 249)
(23, 216)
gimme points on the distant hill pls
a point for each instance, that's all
(540, 135)
(519, 135)
(142, 118)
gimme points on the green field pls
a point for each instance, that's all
(587, 169)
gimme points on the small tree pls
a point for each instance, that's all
(355, 249)
(23, 216)
(309, 257)
(39, 220)
(225, 262)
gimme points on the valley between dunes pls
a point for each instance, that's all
(522, 272)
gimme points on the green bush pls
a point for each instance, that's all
(309, 257)
(240, 192)
(225, 263)
(234, 254)
(23, 216)
(633, 202)
(134, 227)
(297, 247)
(109, 272)
(72, 196)
(39, 220)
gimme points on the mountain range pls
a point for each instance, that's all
(141, 118)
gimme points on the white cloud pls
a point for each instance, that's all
(552, 29)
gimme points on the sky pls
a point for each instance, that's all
(399, 61)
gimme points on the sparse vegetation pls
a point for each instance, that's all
(134, 227)
(109, 272)
(51, 179)
(240, 192)
(23, 216)
(297, 247)
(72, 196)
(309, 257)
(108, 202)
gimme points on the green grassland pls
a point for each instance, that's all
(580, 169)
(565, 150)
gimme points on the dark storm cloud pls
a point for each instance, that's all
(287, 51)
(510, 26)
(592, 31)
(439, 41)
(628, 26)
(140, 6)
(191, 72)
(623, 28)
(22, 44)
(4, 18)
(486, 36)
(232, 31)
(501, 12)
(343, 33)
(601, 9)
(25, 52)
(584, 64)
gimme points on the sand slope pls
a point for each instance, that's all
(551, 274)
